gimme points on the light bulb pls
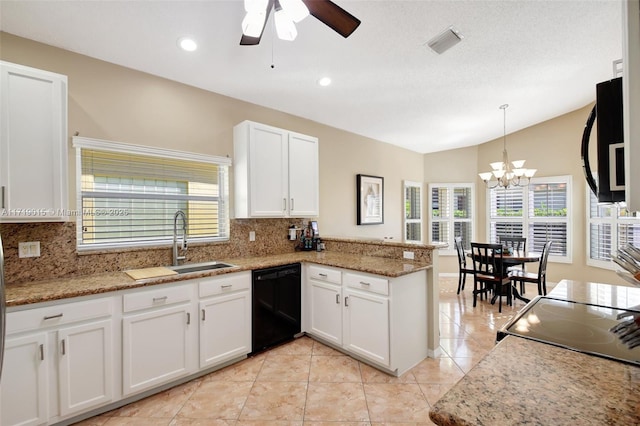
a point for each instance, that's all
(296, 9)
(285, 27)
(253, 23)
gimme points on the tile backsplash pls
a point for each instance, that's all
(58, 256)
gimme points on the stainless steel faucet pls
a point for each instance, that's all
(183, 246)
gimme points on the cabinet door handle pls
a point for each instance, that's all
(41, 352)
(365, 283)
(204, 316)
(292, 208)
(48, 317)
(346, 301)
(64, 347)
(284, 204)
(337, 299)
(159, 299)
(2, 197)
(188, 318)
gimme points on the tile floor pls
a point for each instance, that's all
(307, 383)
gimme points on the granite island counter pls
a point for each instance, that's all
(526, 382)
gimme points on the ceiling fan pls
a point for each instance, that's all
(288, 13)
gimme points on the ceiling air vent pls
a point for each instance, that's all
(445, 40)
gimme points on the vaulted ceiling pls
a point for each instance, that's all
(541, 57)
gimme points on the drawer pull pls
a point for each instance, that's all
(284, 204)
(226, 286)
(346, 301)
(337, 299)
(323, 275)
(188, 318)
(204, 315)
(365, 283)
(64, 347)
(52, 317)
(160, 299)
(41, 352)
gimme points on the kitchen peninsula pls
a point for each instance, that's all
(526, 382)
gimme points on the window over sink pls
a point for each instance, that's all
(128, 194)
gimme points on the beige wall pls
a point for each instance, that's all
(111, 102)
(552, 147)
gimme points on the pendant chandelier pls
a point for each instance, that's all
(506, 173)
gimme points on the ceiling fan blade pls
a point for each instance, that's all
(252, 41)
(333, 16)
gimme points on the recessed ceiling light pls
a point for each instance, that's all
(188, 44)
(324, 81)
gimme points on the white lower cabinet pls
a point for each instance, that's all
(24, 381)
(366, 326)
(225, 318)
(378, 320)
(325, 311)
(58, 362)
(85, 372)
(158, 337)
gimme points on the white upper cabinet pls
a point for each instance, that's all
(275, 172)
(33, 144)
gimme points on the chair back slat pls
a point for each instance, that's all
(514, 243)
(487, 259)
(462, 259)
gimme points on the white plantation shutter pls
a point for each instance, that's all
(413, 211)
(610, 226)
(128, 195)
(451, 208)
(539, 212)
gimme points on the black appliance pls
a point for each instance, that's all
(276, 298)
(582, 327)
(610, 139)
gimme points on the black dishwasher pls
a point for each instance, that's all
(276, 306)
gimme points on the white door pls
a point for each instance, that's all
(156, 347)
(268, 174)
(366, 325)
(23, 390)
(33, 158)
(303, 175)
(85, 366)
(225, 328)
(325, 316)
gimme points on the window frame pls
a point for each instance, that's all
(406, 221)
(451, 249)
(614, 220)
(80, 143)
(526, 220)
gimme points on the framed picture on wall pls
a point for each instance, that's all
(370, 199)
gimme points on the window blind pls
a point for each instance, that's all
(451, 207)
(128, 199)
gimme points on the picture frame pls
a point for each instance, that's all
(370, 199)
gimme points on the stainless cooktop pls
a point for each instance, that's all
(581, 327)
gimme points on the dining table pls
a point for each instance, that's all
(512, 258)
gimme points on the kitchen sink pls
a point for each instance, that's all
(200, 267)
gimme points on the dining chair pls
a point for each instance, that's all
(515, 244)
(489, 274)
(541, 277)
(462, 264)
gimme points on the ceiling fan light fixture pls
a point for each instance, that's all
(445, 40)
(253, 23)
(285, 28)
(296, 9)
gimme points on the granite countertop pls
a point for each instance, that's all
(61, 288)
(526, 382)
